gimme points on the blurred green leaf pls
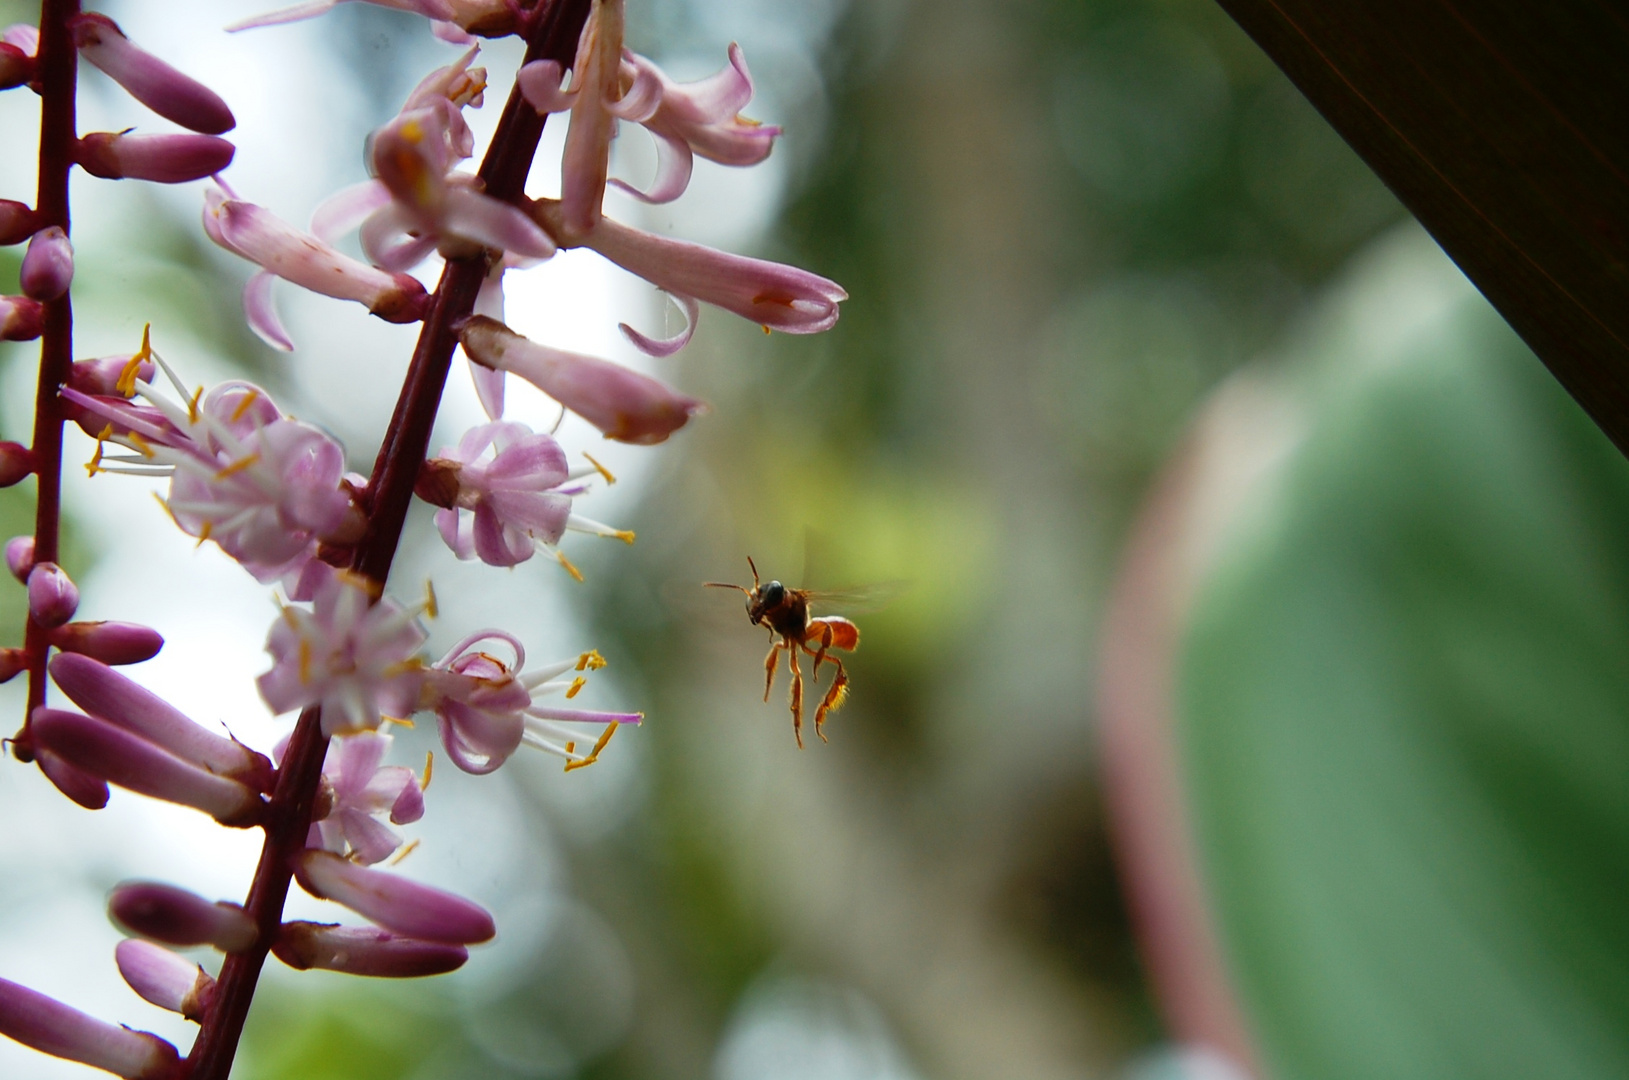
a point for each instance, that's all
(1406, 726)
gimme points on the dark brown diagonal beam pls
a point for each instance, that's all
(1504, 126)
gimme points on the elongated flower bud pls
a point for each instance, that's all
(364, 950)
(21, 318)
(177, 917)
(106, 694)
(87, 790)
(48, 267)
(16, 66)
(163, 159)
(16, 462)
(20, 557)
(12, 661)
(165, 979)
(16, 218)
(150, 80)
(105, 375)
(52, 596)
(131, 762)
(51, 1027)
(109, 642)
(395, 903)
(626, 405)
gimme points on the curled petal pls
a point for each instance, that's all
(260, 310)
(393, 902)
(666, 346)
(361, 950)
(150, 80)
(540, 84)
(674, 163)
(177, 917)
(163, 159)
(346, 209)
(494, 224)
(51, 1027)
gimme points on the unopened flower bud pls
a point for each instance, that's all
(150, 80)
(88, 791)
(16, 462)
(51, 1027)
(16, 218)
(109, 696)
(20, 557)
(624, 404)
(16, 66)
(21, 318)
(109, 642)
(52, 596)
(163, 159)
(12, 661)
(48, 266)
(364, 950)
(101, 377)
(165, 979)
(395, 903)
(131, 762)
(177, 917)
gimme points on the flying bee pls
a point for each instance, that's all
(785, 612)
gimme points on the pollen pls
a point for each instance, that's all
(245, 405)
(625, 535)
(594, 754)
(245, 462)
(576, 684)
(591, 661)
(601, 469)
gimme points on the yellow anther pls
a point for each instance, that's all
(570, 569)
(429, 765)
(594, 754)
(625, 535)
(601, 469)
(576, 684)
(404, 853)
(766, 330)
(571, 748)
(94, 465)
(399, 721)
(305, 661)
(245, 405)
(205, 531)
(431, 608)
(192, 406)
(591, 661)
(373, 588)
(143, 447)
(168, 511)
(247, 461)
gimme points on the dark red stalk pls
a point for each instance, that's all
(508, 161)
(58, 62)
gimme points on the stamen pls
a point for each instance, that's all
(204, 532)
(601, 469)
(431, 608)
(591, 661)
(429, 762)
(192, 405)
(565, 562)
(126, 383)
(305, 661)
(238, 466)
(245, 405)
(95, 463)
(399, 721)
(404, 853)
(594, 754)
(576, 684)
(141, 445)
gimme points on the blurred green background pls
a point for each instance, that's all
(1398, 681)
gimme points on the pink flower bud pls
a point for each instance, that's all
(109, 642)
(12, 661)
(48, 267)
(395, 903)
(165, 979)
(53, 1028)
(16, 218)
(624, 404)
(88, 791)
(16, 66)
(109, 696)
(177, 917)
(21, 318)
(131, 762)
(163, 159)
(20, 557)
(52, 596)
(150, 80)
(363, 950)
(100, 377)
(16, 462)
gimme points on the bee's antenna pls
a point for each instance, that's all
(754, 571)
(725, 585)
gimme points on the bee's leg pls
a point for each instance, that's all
(770, 663)
(820, 656)
(797, 693)
(834, 697)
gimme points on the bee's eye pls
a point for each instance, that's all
(774, 593)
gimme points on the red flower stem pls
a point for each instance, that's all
(508, 160)
(59, 69)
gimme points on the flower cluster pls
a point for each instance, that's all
(273, 492)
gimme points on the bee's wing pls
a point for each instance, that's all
(857, 599)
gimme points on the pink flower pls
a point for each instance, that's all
(177, 917)
(48, 267)
(364, 950)
(148, 79)
(283, 251)
(489, 18)
(627, 406)
(486, 708)
(356, 659)
(165, 979)
(21, 318)
(361, 789)
(53, 1028)
(163, 159)
(52, 596)
(503, 505)
(395, 903)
